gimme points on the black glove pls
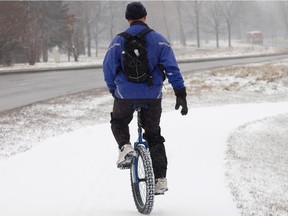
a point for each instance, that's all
(112, 91)
(181, 100)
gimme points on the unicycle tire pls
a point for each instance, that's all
(142, 180)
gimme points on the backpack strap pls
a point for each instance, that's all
(141, 34)
(125, 35)
(144, 32)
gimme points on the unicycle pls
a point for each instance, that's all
(141, 173)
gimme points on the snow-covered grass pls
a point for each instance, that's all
(229, 147)
(264, 78)
(257, 166)
(191, 52)
(239, 48)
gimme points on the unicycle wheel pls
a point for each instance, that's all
(142, 180)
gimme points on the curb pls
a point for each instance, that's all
(47, 69)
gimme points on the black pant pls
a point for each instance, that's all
(122, 115)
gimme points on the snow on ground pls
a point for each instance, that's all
(224, 158)
(239, 48)
(257, 153)
(75, 173)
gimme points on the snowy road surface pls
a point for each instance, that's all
(75, 173)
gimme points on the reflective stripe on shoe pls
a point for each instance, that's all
(126, 155)
(160, 186)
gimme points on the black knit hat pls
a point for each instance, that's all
(135, 10)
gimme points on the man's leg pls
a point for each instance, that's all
(121, 116)
(151, 121)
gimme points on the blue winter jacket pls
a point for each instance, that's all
(159, 51)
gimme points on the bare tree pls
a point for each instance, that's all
(214, 18)
(181, 29)
(92, 13)
(96, 27)
(165, 18)
(114, 12)
(52, 24)
(88, 10)
(97, 21)
(68, 36)
(194, 18)
(11, 28)
(230, 14)
(75, 30)
(197, 10)
(283, 5)
(32, 36)
(249, 19)
(26, 17)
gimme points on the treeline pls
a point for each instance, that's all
(200, 21)
(29, 29)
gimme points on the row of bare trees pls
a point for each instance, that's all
(28, 29)
(182, 21)
(201, 20)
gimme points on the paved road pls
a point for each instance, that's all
(24, 88)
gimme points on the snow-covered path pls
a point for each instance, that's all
(75, 174)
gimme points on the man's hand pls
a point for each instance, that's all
(181, 100)
(112, 91)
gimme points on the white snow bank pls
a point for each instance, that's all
(257, 166)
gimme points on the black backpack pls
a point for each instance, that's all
(136, 68)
